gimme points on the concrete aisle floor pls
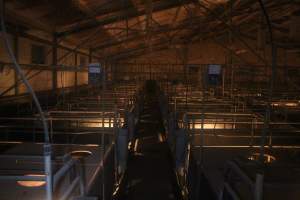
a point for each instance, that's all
(150, 174)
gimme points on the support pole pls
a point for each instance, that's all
(104, 75)
(54, 62)
(271, 81)
(202, 111)
(223, 81)
(230, 60)
(16, 52)
(259, 184)
(18, 69)
(90, 55)
(76, 72)
(48, 171)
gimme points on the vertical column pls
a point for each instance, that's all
(16, 52)
(261, 37)
(76, 72)
(230, 59)
(90, 55)
(285, 63)
(54, 63)
(150, 70)
(258, 187)
(223, 80)
(104, 75)
(90, 61)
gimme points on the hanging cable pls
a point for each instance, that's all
(271, 86)
(21, 74)
(47, 147)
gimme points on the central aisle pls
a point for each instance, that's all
(150, 174)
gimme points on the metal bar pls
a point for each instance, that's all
(220, 114)
(103, 166)
(202, 65)
(18, 83)
(54, 62)
(46, 67)
(233, 31)
(66, 54)
(62, 171)
(248, 146)
(113, 42)
(40, 143)
(272, 78)
(98, 169)
(13, 156)
(107, 132)
(82, 178)
(41, 69)
(23, 178)
(244, 176)
(90, 55)
(130, 13)
(229, 189)
(70, 189)
(46, 42)
(16, 52)
(76, 73)
(78, 112)
(258, 189)
(48, 169)
(47, 146)
(97, 119)
(241, 136)
(202, 111)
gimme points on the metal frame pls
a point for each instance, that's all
(77, 116)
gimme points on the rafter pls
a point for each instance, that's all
(130, 13)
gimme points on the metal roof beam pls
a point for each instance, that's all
(130, 13)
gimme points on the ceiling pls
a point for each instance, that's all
(115, 29)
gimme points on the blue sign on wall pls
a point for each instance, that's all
(214, 74)
(214, 69)
(95, 74)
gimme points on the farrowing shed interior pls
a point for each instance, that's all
(150, 99)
